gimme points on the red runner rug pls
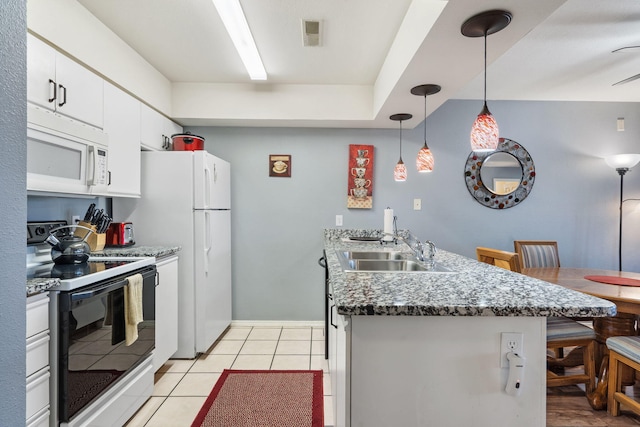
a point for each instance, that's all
(264, 399)
(614, 280)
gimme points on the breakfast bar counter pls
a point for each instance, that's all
(425, 348)
(471, 289)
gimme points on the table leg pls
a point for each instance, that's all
(605, 327)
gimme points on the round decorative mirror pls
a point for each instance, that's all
(502, 178)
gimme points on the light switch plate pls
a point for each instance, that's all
(417, 204)
(338, 220)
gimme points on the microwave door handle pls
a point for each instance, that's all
(93, 154)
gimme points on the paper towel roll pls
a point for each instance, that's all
(388, 224)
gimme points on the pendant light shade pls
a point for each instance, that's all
(425, 160)
(484, 132)
(400, 171)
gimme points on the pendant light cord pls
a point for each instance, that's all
(485, 67)
(425, 120)
(400, 139)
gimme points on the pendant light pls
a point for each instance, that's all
(424, 160)
(400, 171)
(484, 132)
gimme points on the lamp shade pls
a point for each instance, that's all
(424, 161)
(484, 132)
(400, 171)
(622, 161)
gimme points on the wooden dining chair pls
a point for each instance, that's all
(537, 253)
(562, 332)
(507, 260)
(623, 351)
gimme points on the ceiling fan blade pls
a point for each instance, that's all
(630, 79)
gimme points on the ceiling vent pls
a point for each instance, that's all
(311, 32)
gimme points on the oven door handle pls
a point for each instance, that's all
(89, 293)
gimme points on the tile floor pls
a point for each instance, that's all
(181, 386)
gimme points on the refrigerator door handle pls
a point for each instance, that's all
(208, 241)
(207, 187)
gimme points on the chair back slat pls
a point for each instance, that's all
(537, 253)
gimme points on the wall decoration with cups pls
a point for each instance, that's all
(280, 165)
(360, 181)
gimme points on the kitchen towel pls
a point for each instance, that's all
(132, 307)
(388, 224)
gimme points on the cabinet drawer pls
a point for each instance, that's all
(37, 314)
(41, 419)
(37, 392)
(37, 352)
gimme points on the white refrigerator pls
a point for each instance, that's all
(186, 201)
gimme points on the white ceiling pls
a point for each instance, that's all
(552, 50)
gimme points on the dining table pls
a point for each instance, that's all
(619, 287)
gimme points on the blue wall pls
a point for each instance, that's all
(277, 222)
(13, 210)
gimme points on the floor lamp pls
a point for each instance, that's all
(622, 163)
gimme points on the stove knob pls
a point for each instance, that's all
(40, 231)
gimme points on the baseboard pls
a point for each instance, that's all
(278, 323)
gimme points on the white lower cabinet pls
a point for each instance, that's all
(37, 363)
(339, 336)
(166, 311)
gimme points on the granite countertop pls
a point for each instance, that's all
(474, 289)
(138, 251)
(38, 285)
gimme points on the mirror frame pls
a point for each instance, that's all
(486, 197)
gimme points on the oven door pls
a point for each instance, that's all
(92, 352)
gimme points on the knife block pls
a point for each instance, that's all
(96, 241)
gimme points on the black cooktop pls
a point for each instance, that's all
(71, 271)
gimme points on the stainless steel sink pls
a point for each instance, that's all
(385, 262)
(372, 255)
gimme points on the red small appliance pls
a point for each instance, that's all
(187, 142)
(120, 234)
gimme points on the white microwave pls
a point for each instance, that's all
(64, 156)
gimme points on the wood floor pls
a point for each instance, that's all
(568, 407)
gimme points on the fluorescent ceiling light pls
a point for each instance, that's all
(236, 24)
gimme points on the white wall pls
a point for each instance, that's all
(278, 222)
(13, 210)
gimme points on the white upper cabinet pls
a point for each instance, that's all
(156, 129)
(122, 124)
(59, 84)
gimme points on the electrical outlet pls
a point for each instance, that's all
(417, 204)
(339, 220)
(511, 342)
(75, 219)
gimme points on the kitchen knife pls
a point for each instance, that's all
(89, 214)
(97, 217)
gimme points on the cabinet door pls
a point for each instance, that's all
(342, 401)
(41, 67)
(333, 354)
(166, 311)
(171, 128)
(122, 124)
(57, 83)
(152, 135)
(80, 92)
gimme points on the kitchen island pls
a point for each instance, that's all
(423, 349)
